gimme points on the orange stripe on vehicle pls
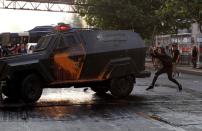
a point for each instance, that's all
(67, 64)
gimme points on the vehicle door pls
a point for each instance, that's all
(68, 58)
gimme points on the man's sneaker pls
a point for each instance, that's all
(173, 75)
(180, 87)
(85, 89)
(150, 87)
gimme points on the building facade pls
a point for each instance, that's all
(185, 39)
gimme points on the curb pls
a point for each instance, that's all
(192, 72)
(184, 70)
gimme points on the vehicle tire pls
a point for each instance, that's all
(11, 90)
(121, 87)
(31, 88)
(100, 89)
(8, 91)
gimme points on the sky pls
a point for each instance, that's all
(20, 20)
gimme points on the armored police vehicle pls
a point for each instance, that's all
(103, 60)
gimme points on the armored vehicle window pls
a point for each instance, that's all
(69, 40)
(43, 43)
(61, 44)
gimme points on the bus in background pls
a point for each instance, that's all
(31, 36)
(11, 42)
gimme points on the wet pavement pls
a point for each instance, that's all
(161, 109)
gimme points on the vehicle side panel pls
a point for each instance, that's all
(103, 47)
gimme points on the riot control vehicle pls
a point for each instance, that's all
(104, 60)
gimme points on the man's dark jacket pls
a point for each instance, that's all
(165, 60)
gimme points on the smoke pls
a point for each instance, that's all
(19, 20)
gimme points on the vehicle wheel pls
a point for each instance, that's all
(31, 88)
(121, 87)
(7, 91)
(11, 90)
(101, 89)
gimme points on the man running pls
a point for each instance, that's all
(167, 67)
(175, 59)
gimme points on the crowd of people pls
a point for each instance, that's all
(14, 49)
(166, 59)
(166, 66)
(174, 53)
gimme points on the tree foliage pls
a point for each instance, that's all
(147, 17)
(77, 21)
(122, 14)
(182, 12)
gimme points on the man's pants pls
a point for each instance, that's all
(175, 68)
(168, 71)
(194, 61)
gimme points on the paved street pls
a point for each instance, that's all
(162, 109)
(100, 43)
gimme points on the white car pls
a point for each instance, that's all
(30, 47)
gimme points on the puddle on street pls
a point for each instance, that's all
(68, 104)
(71, 96)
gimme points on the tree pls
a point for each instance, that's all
(147, 17)
(77, 21)
(142, 16)
(182, 12)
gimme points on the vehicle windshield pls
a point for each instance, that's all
(42, 43)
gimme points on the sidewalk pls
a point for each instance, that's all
(187, 69)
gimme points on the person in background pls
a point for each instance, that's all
(17, 49)
(159, 45)
(167, 65)
(168, 51)
(194, 56)
(23, 49)
(175, 59)
(5, 51)
(155, 61)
